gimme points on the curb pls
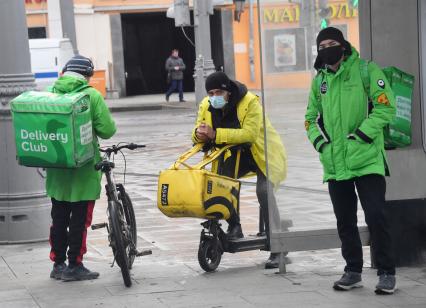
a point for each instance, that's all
(150, 107)
(188, 105)
(135, 108)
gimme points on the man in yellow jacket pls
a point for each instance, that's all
(232, 115)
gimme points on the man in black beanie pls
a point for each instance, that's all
(348, 135)
(232, 115)
(73, 192)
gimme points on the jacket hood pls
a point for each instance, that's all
(66, 84)
(238, 91)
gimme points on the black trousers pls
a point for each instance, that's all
(267, 202)
(371, 191)
(70, 221)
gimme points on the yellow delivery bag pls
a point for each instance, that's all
(193, 191)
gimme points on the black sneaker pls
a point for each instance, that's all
(57, 270)
(234, 232)
(182, 101)
(274, 261)
(167, 98)
(78, 272)
(386, 285)
(348, 281)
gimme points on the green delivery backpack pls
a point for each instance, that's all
(53, 130)
(398, 133)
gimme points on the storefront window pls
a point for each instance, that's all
(37, 32)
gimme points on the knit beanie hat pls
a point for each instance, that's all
(79, 64)
(218, 80)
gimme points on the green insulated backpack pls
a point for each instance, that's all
(53, 130)
(398, 133)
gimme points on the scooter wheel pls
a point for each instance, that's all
(209, 255)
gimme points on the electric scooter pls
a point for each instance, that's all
(214, 241)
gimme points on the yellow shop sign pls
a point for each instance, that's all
(292, 13)
(280, 15)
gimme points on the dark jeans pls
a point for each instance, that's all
(267, 203)
(371, 191)
(176, 84)
(70, 221)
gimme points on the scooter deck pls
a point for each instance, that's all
(247, 243)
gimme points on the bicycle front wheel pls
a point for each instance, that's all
(129, 214)
(117, 232)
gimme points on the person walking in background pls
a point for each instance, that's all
(347, 132)
(175, 67)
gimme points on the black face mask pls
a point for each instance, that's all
(331, 55)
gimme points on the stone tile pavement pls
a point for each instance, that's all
(175, 280)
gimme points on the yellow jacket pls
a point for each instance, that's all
(249, 113)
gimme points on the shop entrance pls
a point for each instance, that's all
(148, 39)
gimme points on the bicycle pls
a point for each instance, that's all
(121, 226)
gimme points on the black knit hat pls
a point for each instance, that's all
(332, 33)
(79, 64)
(218, 80)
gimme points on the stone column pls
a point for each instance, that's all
(24, 208)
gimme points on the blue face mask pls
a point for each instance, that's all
(217, 102)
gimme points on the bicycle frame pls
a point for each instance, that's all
(111, 190)
(121, 223)
(110, 187)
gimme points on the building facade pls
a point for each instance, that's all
(131, 39)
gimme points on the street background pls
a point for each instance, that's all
(171, 276)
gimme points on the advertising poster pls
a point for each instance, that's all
(284, 50)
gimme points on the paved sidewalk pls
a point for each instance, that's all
(179, 282)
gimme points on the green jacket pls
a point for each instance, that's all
(83, 183)
(339, 124)
(249, 113)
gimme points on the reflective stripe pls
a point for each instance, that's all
(52, 254)
(316, 141)
(363, 136)
(88, 222)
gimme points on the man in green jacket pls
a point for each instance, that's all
(73, 191)
(232, 115)
(345, 125)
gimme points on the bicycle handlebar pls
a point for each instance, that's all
(114, 149)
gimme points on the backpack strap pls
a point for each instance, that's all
(318, 80)
(81, 88)
(76, 90)
(365, 76)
